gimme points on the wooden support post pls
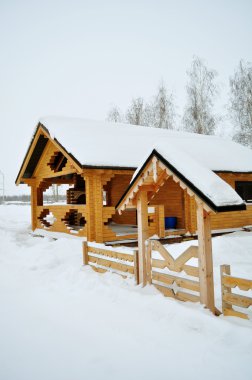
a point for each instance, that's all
(94, 206)
(148, 262)
(136, 266)
(205, 258)
(85, 252)
(98, 207)
(142, 221)
(34, 203)
(225, 269)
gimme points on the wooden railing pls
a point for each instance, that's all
(102, 260)
(169, 284)
(155, 223)
(230, 299)
(71, 219)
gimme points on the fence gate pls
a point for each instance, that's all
(162, 271)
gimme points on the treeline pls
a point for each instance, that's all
(50, 198)
(199, 114)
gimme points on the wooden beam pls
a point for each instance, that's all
(205, 258)
(34, 202)
(143, 231)
(27, 159)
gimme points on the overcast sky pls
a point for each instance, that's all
(77, 58)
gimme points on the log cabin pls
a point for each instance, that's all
(96, 161)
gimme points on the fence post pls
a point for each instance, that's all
(85, 252)
(148, 250)
(136, 266)
(225, 269)
(205, 257)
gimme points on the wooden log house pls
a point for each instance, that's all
(97, 160)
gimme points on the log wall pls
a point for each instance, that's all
(172, 197)
(116, 188)
(224, 220)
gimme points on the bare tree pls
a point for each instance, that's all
(159, 113)
(115, 115)
(201, 91)
(135, 112)
(241, 103)
(163, 112)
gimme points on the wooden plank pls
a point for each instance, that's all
(29, 153)
(181, 282)
(233, 282)
(188, 269)
(142, 219)
(205, 258)
(34, 204)
(224, 269)
(178, 264)
(113, 254)
(111, 264)
(181, 296)
(97, 269)
(148, 262)
(233, 313)
(85, 252)
(136, 266)
(237, 300)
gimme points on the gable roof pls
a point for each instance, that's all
(114, 145)
(101, 144)
(200, 181)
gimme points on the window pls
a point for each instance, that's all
(244, 189)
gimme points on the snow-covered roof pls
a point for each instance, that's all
(203, 182)
(204, 179)
(95, 143)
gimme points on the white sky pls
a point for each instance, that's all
(77, 58)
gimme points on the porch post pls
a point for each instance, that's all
(88, 178)
(98, 208)
(34, 202)
(142, 222)
(205, 258)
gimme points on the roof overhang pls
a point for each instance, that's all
(154, 172)
(37, 145)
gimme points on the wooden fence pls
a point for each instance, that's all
(158, 273)
(171, 285)
(102, 260)
(230, 299)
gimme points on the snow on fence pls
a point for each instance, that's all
(158, 272)
(103, 259)
(230, 299)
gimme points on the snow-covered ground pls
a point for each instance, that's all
(62, 321)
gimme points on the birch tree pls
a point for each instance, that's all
(201, 90)
(241, 103)
(115, 115)
(135, 112)
(163, 109)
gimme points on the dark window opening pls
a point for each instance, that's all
(58, 162)
(244, 189)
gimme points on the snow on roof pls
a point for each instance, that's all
(219, 192)
(97, 143)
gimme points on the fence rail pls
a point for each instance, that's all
(102, 260)
(230, 299)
